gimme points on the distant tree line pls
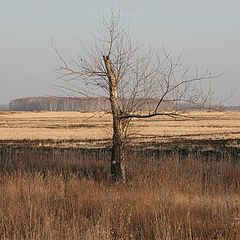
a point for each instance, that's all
(75, 104)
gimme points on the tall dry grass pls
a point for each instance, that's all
(179, 199)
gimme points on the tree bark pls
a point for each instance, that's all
(117, 158)
(117, 162)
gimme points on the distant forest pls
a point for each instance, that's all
(73, 104)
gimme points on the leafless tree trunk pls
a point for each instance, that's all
(137, 84)
(117, 169)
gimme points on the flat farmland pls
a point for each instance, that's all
(95, 128)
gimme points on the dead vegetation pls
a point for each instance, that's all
(95, 128)
(56, 195)
(172, 199)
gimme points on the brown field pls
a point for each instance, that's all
(86, 128)
(170, 200)
(168, 197)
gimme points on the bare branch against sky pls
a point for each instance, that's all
(208, 31)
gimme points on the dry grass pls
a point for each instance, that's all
(165, 198)
(87, 126)
(174, 199)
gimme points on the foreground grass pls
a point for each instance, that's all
(174, 199)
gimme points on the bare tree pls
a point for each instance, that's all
(132, 79)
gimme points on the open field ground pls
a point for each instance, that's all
(55, 190)
(95, 129)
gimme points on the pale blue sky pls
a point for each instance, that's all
(208, 30)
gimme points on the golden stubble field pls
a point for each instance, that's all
(92, 128)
